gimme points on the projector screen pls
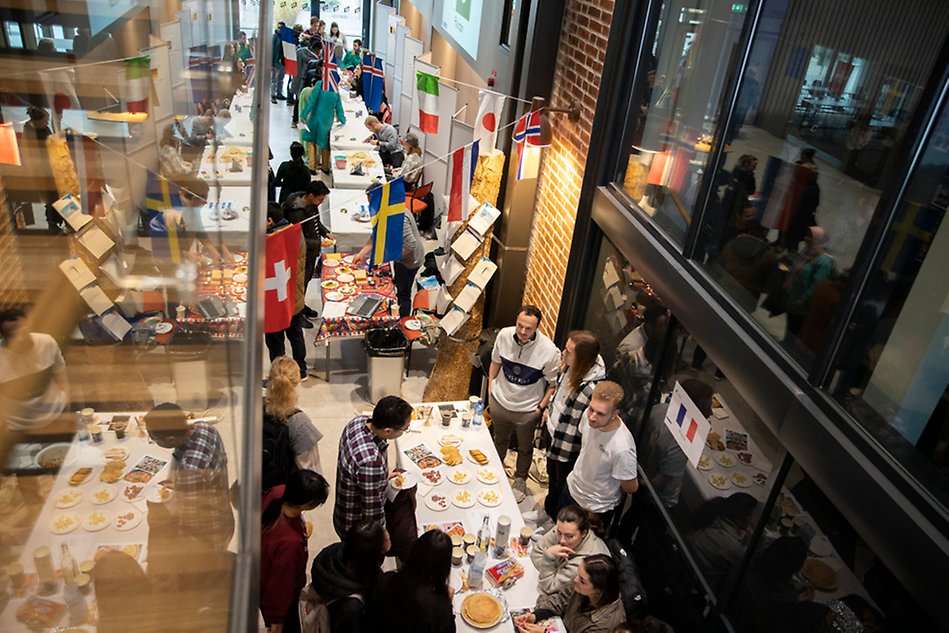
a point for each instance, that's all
(461, 20)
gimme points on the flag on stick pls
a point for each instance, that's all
(464, 160)
(387, 210)
(288, 40)
(280, 285)
(373, 80)
(427, 102)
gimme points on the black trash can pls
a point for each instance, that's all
(386, 350)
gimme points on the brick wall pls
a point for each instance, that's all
(577, 76)
(12, 289)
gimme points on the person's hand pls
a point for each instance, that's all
(451, 592)
(807, 593)
(532, 628)
(543, 418)
(526, 618)
(330, 236)
(560, 550)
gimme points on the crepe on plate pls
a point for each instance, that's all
(481, 609)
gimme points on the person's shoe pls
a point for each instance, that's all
(281, 98)
(306, 325)
(532, 516)
(304, 377)
(310, 313)
(520, 489)
(293, 125)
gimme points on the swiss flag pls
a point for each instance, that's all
(280, 285)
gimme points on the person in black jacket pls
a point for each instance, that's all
(302, 207)
(293, 175)
(345, 574)
(417, 599)
(277, 64)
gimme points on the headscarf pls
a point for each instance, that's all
(818, 240)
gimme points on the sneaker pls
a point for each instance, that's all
(293, 125)
(304, 377)
(273, 100)
(281, 98)
(306, 325)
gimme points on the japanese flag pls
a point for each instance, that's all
(489, 117)
(280, 284)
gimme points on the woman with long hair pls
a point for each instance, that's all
(345, 574)
(581, 368)
(557, 554)
(590, 604)
(283, 547)
(293, 175)
(412, 166)
(170, 163)
(281, 405)
(717, 539)
(417, 598)
(336, 36)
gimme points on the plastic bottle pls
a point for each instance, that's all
(81, 431)
(476, 571)
(78, 609)
(478, 418)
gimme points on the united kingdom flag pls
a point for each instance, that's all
(330, 68)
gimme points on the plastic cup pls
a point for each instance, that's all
(119, 428)
(446, 418)
(457, 555)
(470, 552)
(526, 534)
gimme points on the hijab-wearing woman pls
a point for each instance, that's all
(811, 266)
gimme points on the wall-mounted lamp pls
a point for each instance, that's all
(539, 104)
(9, 148)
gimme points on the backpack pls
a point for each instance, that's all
(314, 611)
(278, 461)
(631, 588)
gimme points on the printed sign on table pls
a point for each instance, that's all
(687, 424)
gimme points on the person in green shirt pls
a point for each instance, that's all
(354, 57)
(318, 109)
(243, 49)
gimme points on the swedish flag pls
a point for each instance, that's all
(161, 196)
(387, 210)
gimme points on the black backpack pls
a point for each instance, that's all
(631, 588)
(278, 459)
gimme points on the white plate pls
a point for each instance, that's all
(96, 520)
(331, 263)
(820, 546)
(705, 463)
(720, 481)
(726, 460)
(436, 502)
(160, 494)
(489, 497)
(68, 498)
(413, 325)
(487, 625)
(463, 499)
(240, 278)
(335, 296)
(102, 495)
(164, 328)
(345, 279)
(474, 461)
(745, 457)
(349, 259)
(64, 522)
(116, 452)
(459, 476)
(53, 453)
(487, 475)
(450, 439)
(741, 479)
(431, 477)
(403, 481)
(128, 520)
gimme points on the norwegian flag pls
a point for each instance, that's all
(330, 68)
(526, 133)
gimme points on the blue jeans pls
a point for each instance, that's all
(404, 278)
(276, 84)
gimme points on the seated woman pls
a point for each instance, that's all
(718, 537)
(417, 598)
(412, 167)
(557, 554)
(345, 574)
(591, 604)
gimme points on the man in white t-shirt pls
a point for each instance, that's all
(606, 468)
(33, 385)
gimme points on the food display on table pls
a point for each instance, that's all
(432, 476)
(459, 476)
(451, 455)
(355, 284)
(115, 453)
(80, 476)
(64, 522)
(132, 492)
(96, 520)
(52, 457)
(745, 457)
(463, 499)
(482, 610)
(102, 495)
(68, 498)
(820, 574)
(127, 520)
(736, 440)
(740, 479)
(714, 441)
(436, 502)
(705, 463)
(489, 497)
(719, 481)
(162, 492)
(450, 440)
(113, 471)
(224, 289)
(487, 475)
(726, 460)
(760, 478)
(478, 457)
(506, 571)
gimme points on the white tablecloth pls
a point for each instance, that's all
(342, 179)
(524, 592)
(353, 133)
(239, 129)
(228, 199)
(337, 214)
(214, 169)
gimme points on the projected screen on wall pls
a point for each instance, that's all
(461, 20)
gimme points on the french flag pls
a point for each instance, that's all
(463, 163)
(687, 430)
(289, 41)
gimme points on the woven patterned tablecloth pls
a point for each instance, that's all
(231, 284)
(351, 326)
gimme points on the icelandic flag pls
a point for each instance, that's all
(289, 41)
(373, 79)
(162, 227)
(387, 212)
(463, 163)
(330, 68)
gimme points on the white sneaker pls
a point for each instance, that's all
(531, 517)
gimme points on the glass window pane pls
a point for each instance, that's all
(818, 120)
(671, 131)
(893, 369)
(14, 37)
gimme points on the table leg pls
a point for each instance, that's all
(327, 361)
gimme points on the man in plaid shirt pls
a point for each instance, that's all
(362, 472)
(199, 472)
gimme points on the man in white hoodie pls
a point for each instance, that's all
(521, 380)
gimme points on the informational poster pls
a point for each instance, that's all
(461, 20)
(687, 424)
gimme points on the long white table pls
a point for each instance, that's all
(342, 179)
(214, 168)
(239, 129)
(352, 134)
(524, 592)
(337, 214)
(221, 204)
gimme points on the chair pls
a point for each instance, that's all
(414, 200)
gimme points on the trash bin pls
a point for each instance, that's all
(386, 350)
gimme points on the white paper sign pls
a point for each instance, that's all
(68, 208)
(466, 244)
(482, 273)
(468, 297)
(96, 241)
(97, 300)
(77, 272)
(455, 318)
(484, 217)
(687, 424)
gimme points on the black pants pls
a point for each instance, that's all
(393, 159)
(605, 517)
(277, 347)
(311, 258)
(296, 111)
(404, 278)
(557, 472)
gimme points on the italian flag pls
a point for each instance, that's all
(138, 81)
(427, 103)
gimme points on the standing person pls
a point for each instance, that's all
(336, 36)
(282, 403)
(307, 60)
(277, 65)
(581, 368)
(283, 547)
(417, 598)
(413, 256)
(521, 381)
(606, 468)
(321, 111)
(591, 604)
(799, 206)
(292, 175)
(386, 140)
(810, 267)
(353, 58)
(292, 80)
(345, 574)
(362, 472)
(303, 207)
(276, 221)
(662, 459)
(557, 554)
(199, 473)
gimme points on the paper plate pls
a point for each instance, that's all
(102, 495)
(64, 522)
(463, 499)
(719, 481)
(240, 278)
(403, 481)
(128, 520)
(164, 328)
(68, 498)
(331, 263)
(436, 502)
(474, 623)
(333, 295)
(413, 325)
(349, 259)
(740, 479)
(330, 284)
(459, 476)
(347, 290)
(345, 278)
(487, 475)
(96, 520)
(489, 497)
(344, 270)
(431, 477)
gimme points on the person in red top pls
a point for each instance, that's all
(283, 547)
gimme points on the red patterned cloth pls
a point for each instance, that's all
(349, 325)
